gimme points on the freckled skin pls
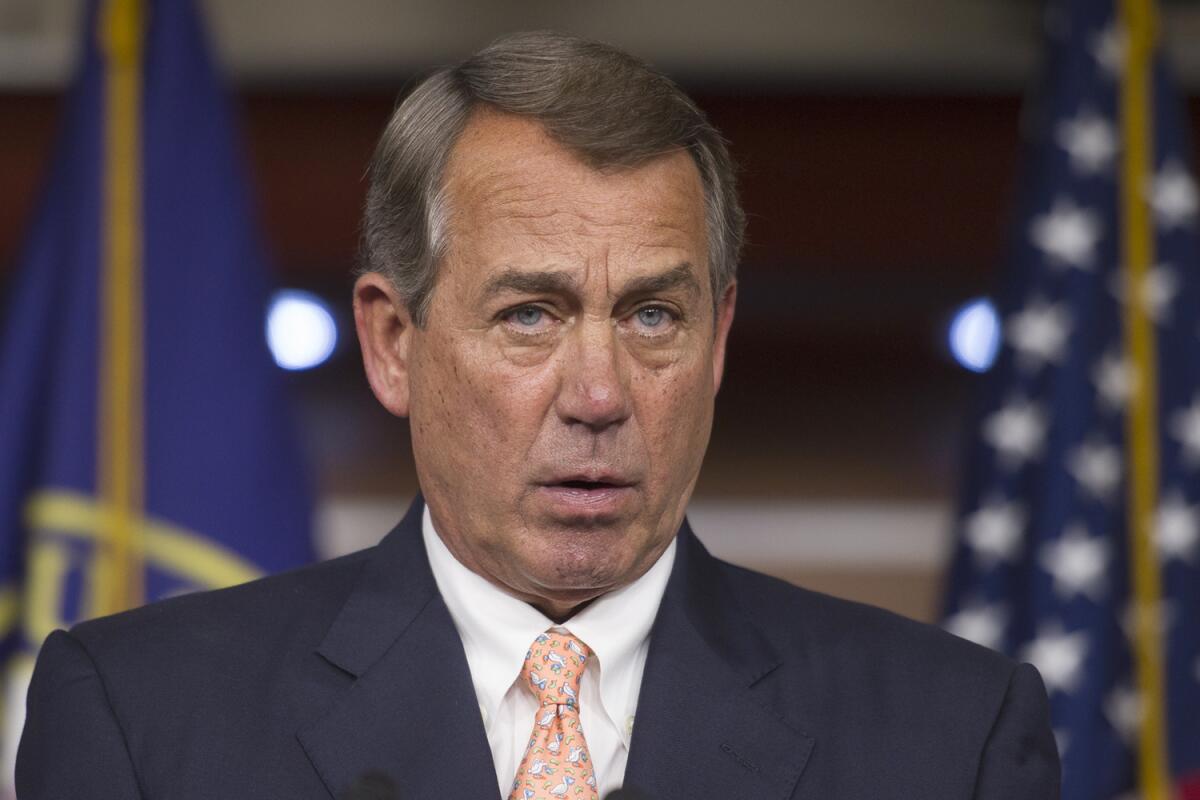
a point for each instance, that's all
(510, 387)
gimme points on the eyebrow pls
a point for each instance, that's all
(515, 280)
(680, 276)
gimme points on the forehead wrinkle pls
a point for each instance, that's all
(505, 190)
(607, 272)
(514, 203)
(486, 182)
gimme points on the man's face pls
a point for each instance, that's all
(561, 392)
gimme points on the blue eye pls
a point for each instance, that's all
(527, 315)
(652, 316)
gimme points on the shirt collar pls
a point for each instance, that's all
(497, 628)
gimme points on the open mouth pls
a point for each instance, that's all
(588, 485)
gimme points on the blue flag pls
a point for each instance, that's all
(1087, 410)
(145, 447)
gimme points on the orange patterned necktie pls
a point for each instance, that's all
(557, 762)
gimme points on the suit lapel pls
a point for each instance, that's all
(700, 730)
(411, 713)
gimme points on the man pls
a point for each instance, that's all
(551, 238)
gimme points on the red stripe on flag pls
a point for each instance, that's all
(1189, 787)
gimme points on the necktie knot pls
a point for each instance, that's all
(554, 665)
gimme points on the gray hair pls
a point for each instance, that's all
(609, 108)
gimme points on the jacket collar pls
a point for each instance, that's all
(703, 729)
(396, 586)
(411, 714)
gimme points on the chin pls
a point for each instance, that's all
(583, 553)
(580, 572)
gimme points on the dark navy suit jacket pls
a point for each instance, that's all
(298, 685)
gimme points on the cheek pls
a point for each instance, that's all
(674, 405)
(477, 397)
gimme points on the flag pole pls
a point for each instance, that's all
(117, 577)
(1137, 242)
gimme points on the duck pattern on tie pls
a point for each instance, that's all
(556, 763)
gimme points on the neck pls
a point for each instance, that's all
(557, 612)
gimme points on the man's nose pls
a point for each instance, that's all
(594, 391)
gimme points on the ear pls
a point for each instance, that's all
(724, 322)
(385, 330)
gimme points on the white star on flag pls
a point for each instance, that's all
(1173, 196)
(1077, 562)
(1185, 427)
(1108, 48)
(1177, 528)
(1058, 656)
(1114, 378)
(1123, 707)
(981, 624)
(1039, 333)
(1159, 287)
(1096, 466)
(995, 532)
(1067, 234)
(1017, 431)
(1159, 616)
(1090, 141)
(1158, 292)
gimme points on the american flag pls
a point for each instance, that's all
(1045, 564)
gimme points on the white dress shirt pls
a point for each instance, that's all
(497, 630)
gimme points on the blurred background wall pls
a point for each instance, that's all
(879, 143)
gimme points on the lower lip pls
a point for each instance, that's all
(590, 501)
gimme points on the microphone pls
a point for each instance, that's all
(371, 786)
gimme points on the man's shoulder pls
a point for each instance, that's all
(926, 710)
(840, 636)
(286, 610)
